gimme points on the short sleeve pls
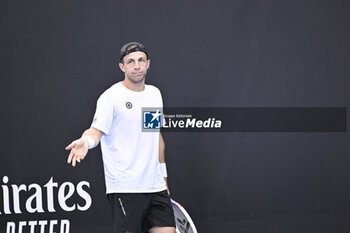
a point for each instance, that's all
(105, 113)
(160, 98)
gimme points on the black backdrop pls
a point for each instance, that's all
(57, 57)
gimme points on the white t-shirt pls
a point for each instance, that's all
(130, 156)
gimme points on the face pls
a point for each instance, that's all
(135, 66)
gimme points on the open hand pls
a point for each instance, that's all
(78, 150)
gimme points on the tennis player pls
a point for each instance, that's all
(134, 161)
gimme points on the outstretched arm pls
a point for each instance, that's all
(79, 148)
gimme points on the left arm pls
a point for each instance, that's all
(162, 158)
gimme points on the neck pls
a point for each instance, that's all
(134, 86)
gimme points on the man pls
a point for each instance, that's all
(134, 161)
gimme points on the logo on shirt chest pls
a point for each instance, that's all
(128, 105)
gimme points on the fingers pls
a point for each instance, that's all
(74, 161)
(74, 158)
(78, 151)
(70, 156)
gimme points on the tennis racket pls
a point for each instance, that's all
(183, 221)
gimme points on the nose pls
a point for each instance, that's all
(137, 65)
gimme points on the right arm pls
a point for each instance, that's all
(79, 148)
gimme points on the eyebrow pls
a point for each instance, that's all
(132, 59)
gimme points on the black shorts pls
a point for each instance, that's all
(139, 212)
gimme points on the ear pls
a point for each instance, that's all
(149, 64)
(121, 66)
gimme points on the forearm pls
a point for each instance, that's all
(162, 160)
(161, 149)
